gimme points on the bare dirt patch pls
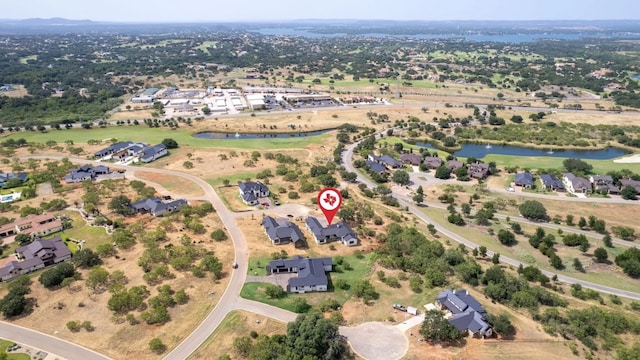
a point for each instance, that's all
(174, 184)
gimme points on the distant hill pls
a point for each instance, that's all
(48, 22)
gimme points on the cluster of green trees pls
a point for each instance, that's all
(15, 303)
(309, 337)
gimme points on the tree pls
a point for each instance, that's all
(219, 235)
(534, 210)
(274, 291)
(364, 290)
(23, 239)
(170, 143)
(443, 172)
(629, 193)
(157, 346)
(400, 177)
(123, 238)
(311, 336)
(482, 251)
(85, 258)
(97, 279)
(517, 119)
(582, 223)
(502, 325)
(577, 166)
(120, 205)
(15, 303)
(506, 237)
(54, 276)
(600, 254)
(495, 259)
(206, 110)
(435, 328)
(577, 265)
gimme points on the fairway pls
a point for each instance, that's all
(156, 135)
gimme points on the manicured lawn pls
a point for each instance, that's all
(536, 162)
(360, 270)
(93, 235)
(4, 344)
(156, 135)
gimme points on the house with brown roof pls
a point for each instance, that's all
(629, 182)
(478, 170)
(576, 184)
(432, 162)
(412, 159)
(35, 256)
(35, 225)
(454, 165)
(603, 184)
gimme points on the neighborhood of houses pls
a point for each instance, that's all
(385, 163)
(126, 152)
(603, 184)
(285, 232)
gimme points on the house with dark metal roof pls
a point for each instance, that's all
(432, 162)
(311, 273)
(250, 191)
(35, 256)
(86, 172)
(576, 183)
(282, 233)
(5, 177)
(412, 159)
(151, 153)
(156, 206)
(115, 148)
(550, 182)
(603, 184)
(376, 168)
(524, 179)
(629, 182)
(478, 170)
(339, 231)
(386, 160)
(467, 313)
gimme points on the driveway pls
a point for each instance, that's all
(376, 341)
(276, 279)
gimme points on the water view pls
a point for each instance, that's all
(481, 150)
(232, 136)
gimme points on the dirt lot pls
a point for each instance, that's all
(173, 184)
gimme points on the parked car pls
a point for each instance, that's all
(235, 265)
(276, 202)
(399, 307)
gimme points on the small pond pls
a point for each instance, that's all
(481, 150)
(239, 135)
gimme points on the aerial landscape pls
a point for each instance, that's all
(327, 181)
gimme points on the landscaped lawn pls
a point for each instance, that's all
(156, 135)
(4, 344)
(360, 268)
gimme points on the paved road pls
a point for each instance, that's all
(47, 343)
(347, 157)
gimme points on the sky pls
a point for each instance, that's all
(279, 10)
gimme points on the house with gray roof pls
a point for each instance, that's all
(478, 170)
(376, 168)
(5, 177)
(35, 256)
(156, 206)
(251, 191)
(467, 313)
(454, 165)
(576, 184)
(432, 162)
(115, 148)
(339, 231)
(282, 233)
(151, 153)
(311, 273)
(412, 159)
(385, 160)
(603, 184)
(86, 173)
(524, 179)
(550, 182)
(629, 182)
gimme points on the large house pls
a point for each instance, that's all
(467, 313)
(454, 165)
(339, 231)
(34, 225)
(432, 162)
(136, 151)
(603, 184)
(5, 177)
(36, 255)
(629, 182)
(576, 184)
(284, 233)
(311, 273)
(478, 170)
(376, 168)
(550, 182)
(525, 180)
(386, 161)
(156, 206)
(251, 191)
(412, 159)
(86, 173)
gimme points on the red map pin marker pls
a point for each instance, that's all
(329, 200)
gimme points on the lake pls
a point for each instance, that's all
(231, 136)
(636, 76)
(481, 150)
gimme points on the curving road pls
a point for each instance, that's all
(347, 157)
